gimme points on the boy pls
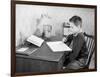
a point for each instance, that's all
(76, 41)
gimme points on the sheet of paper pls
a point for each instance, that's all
(58, 46)
(35, 40)
(22, 49)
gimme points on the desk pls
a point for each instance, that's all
(42, 60)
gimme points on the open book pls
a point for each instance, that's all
(25, 51)
(35, 40)
(58, 46)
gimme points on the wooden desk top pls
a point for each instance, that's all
(45, 53)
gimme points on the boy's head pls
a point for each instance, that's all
(75, 24)
(76, 20)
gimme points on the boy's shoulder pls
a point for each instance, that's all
(81, 36)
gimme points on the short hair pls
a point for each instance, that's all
(75, 19)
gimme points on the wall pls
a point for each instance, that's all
(27, 15)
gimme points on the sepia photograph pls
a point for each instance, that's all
(53, 38)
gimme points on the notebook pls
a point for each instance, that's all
(58, 46)
(35, 40)
(25, 51)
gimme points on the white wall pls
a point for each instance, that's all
(26, 16)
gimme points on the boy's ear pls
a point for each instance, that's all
(79, 22)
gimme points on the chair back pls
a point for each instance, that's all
(90, 44)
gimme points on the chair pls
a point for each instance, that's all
(90, 43)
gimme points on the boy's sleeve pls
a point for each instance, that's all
(78, 42)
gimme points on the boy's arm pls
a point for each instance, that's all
(77, 46)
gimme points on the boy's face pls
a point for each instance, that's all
(73, 28)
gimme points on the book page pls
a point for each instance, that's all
(22, 49)
(35, 40)
(58, 46)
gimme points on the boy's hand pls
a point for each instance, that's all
(64, 39)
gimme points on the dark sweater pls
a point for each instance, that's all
(79, 49)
